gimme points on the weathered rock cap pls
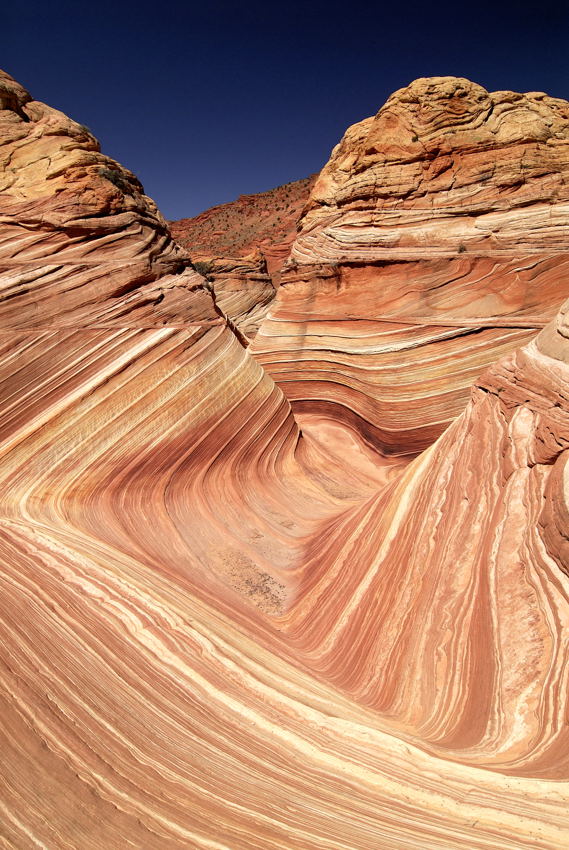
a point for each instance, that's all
(52, 168)
(12, 95)
(453, 106)
(433, 118)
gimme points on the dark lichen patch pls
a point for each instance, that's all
(259, 587)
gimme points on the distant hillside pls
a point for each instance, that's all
(266, 221)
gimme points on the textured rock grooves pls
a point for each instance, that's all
(242, 289)
(221, 632)
(434, 241)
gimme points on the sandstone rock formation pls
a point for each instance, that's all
(241, 288)
(241, 247)
(434, 241)
(220, 630)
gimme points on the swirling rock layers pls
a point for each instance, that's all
(437, 234)
(221, 630)
(242, 289)
(497, 578)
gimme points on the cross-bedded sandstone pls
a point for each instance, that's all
(225, 627)
(434, 240)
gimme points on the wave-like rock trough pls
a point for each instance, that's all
(313, 593)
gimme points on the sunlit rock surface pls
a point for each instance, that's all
(241, 247)
(225, 627)
(241, 288)
(263, 222)
(435, 240)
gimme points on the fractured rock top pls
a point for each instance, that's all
(444, 166)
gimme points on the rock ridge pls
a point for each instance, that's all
(421, 237)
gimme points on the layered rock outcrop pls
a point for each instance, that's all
(241, 288)
(434, 240)
(471, 543)
(221, 630)
(241, 247)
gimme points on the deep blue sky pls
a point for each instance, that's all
(205, 101)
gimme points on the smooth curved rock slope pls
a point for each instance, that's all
(221, 630)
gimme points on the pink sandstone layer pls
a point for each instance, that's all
(227, 625)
